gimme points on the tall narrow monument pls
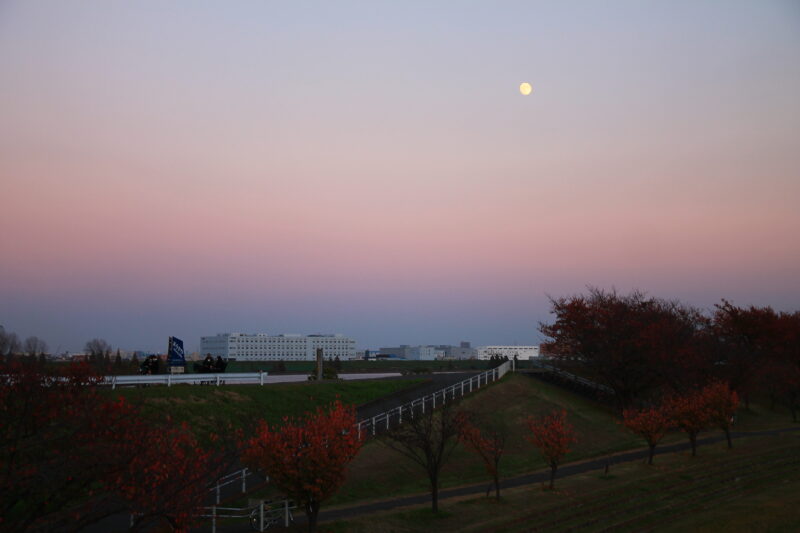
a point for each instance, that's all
(319, 364)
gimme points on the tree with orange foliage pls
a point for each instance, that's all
(650, 423)
(721, 404)
(489, 446)
(552, 435)
(690, 413)
(307, 458)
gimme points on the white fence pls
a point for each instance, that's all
(194, 379)
(383, 421)
(261, 515)
(242, 378)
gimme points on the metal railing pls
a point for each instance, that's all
(261, 515)
(572, 377)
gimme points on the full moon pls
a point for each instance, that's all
(525, 88)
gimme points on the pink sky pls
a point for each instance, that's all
(256, 168)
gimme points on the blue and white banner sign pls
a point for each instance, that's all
(175, 355)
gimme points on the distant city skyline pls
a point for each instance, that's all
(372, 169)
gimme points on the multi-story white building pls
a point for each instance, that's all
(263, 347)
(522, 352)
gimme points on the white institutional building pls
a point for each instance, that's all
(263, 347)
(522, 352)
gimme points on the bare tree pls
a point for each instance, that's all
(34, 346)
(428, 439)
(97, 347)
(3, 341)
(11, 345)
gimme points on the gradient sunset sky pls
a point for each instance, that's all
(370, 168)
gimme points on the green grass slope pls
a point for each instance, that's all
(753, 488)
(208, 408)
(379, 472)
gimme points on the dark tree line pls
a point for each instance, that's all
(646, 348)
(11, 346)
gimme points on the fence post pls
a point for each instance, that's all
(169, 380)
(217, 380)
(113, 382)
(423, 405)
(359, 431)
(261, 516)
(286, 513)
(131, 521)
(214, 519)
(434, 400)
(462, 389)
(388, 416)
(373, 425)
(260, 377)
(217, 492)
(400, 421)
(244, 480)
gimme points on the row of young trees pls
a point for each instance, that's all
(307, 458)
(646, 349)
(714, 405)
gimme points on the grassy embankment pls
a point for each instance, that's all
(207, 409)
(754, 487)
(379, 472)
(764, 470)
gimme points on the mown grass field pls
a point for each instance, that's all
(208, 409)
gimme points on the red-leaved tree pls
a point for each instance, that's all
(308, 458)
(690, 413)
(70, 456)
(635, 344)
(721, 404)
(167, 478)
(489, 446)
(552, 435)
(650, 423)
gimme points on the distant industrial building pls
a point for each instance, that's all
(420, 353)
(263, 347)
(521, 352)
(462, 351)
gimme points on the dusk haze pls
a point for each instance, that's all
(375, 169)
